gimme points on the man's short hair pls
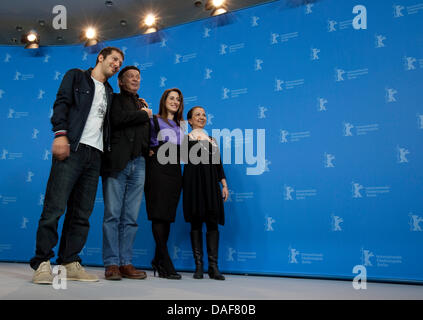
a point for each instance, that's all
(107, 51)
(121, 73)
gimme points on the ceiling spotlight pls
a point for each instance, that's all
(198, 3)
(218, 11)
(150, 23)
(218, 3)
(123, 23)
(150, 30)
(31, 37)
(90, 33)
(210, 4)
(109, 3)
(217, 7)
(90, 37)
(31, 40)
(150, 20)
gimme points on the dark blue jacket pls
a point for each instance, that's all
(73, 104)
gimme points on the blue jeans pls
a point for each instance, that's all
(122, 200)
(71, 187)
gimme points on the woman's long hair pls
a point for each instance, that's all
(178, 117)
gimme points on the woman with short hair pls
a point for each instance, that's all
(203, 197)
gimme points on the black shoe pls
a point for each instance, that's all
(173, 276)
(197, 251)
(163, 273)
(154, 266)
(212, 238)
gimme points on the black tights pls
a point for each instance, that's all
(161, 230)
(198, 226)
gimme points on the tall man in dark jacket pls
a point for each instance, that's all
(124, 175)
(81, 127)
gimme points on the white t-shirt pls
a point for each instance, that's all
(93, 131)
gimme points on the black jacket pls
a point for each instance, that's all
(130, 133)
(73, 104)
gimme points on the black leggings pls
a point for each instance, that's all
(198, 226)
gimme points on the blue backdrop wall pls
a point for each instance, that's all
(341, 179)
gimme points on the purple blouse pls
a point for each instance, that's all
(171, 133)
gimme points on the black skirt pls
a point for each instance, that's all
(202, 196)
(163, 184)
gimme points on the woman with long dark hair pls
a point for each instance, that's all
(164, 177)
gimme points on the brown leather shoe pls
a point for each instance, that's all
(130, 272)
(112, 273)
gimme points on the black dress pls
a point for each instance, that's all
(163, 184)
(202, 196)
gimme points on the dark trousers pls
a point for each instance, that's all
(72, 185)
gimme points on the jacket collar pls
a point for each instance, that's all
(127, 93)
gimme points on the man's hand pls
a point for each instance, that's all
(61, 148)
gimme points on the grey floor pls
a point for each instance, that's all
(15, 283)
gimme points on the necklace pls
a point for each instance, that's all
(198, 137)
(210, 141)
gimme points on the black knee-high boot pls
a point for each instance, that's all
(212, 238)
(197, 251)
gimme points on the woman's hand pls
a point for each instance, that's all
(146, 108)
(143, 102)
(149, 112)
(225, 193)
(150, 153)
